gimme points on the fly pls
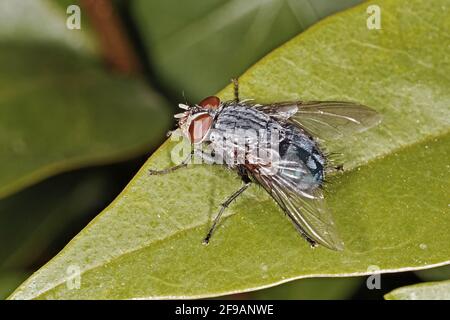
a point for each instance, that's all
(277, 146)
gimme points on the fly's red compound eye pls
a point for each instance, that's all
(211, 102)
(199, 127)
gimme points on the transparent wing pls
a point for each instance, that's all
(325, 119)
(305, 207)
(281, 111)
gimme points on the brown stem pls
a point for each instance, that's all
(114, 43)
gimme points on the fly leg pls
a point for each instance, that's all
(223, 206)
(183, 164)
(236, 89)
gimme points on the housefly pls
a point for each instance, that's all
(277, 146)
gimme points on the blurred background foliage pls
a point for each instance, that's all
(81, 110)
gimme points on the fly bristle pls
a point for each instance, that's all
(323, 183)
(180, 115)
(333, 160)
(325, 191)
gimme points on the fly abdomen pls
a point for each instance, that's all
(299, 148)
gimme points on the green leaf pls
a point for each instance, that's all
(435, 274)
(31, 220)
(59, 109)
(310, 289)
(42, 21)
(36, 222)
(439, 290)
(9, 281)
(196, 46)
(390, 205)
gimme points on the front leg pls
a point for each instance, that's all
(183, 164)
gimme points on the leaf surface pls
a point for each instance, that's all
(59, 108)
(196, 46)
(390, 205)
(439, 290)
